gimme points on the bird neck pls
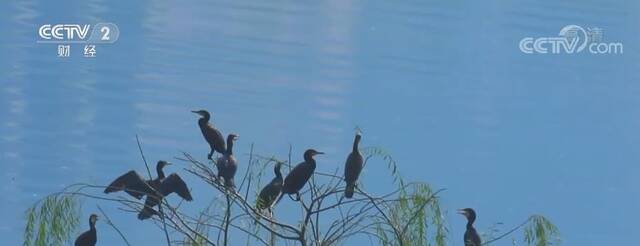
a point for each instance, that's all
(356, 141)
(229, 146)
(309, 158)
(311, 162)
(203, 121)
(277, 172)
(470, 223)
(92, 225)
(160, 172)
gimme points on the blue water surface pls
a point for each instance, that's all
(441, 85)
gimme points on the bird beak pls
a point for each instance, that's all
(462, 211)
(237, 137)
(169, 163)
(319, 153)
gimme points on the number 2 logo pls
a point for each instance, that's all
(105, 33)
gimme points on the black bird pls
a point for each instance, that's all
(271, 191)
(353, 167)
(165, 186)
(90, 237)
(227, 164)
(210, 133)
(471, 237)
(299, 175)
(155, 189)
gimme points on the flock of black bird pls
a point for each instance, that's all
(156, 189)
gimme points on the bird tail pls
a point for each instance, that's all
(348, 192)
(147, 213)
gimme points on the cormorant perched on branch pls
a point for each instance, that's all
(210, 133)
(90, 237)
(471, 237)
(227, 164)
(299, 175)
(271, 191)
(155, 189)
(165, 186)
(353, 167)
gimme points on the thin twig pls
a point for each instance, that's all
(227, 217)
(164, 224)
(109, 222)
(507, 233)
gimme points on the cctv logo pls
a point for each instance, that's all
(62, 32)
(100, 33)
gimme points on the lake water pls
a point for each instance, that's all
(442, 85)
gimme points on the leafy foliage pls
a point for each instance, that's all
(414, 215)
(370, 152)
(541, 232)
(51, 221)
